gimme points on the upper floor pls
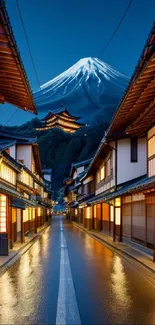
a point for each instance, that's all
(14, 172)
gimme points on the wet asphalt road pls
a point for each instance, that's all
(67, 277)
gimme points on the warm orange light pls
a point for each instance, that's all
(118, 216)
(88, 213)
(117, 202)
(3, 213)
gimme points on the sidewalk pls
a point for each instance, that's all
(19, 249)
(139, 253)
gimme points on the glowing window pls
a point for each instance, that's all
(118, 216)
(111, 213)
(26, 178)
(88, 213)
(94, 211)
(8, 174)
(151, 147)
(102, 173)
(117, 202)
(3, 210)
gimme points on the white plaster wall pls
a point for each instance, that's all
(18, 220)
(13, 151)
(88, 180)
(126, 170)
(47, 177)
(74, 175)
(80, 170)
(25, 152)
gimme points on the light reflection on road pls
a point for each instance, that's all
(108, 289)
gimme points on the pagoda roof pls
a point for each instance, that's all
(59, 112)
(61, 126)
(14, 85)
(136, 112)
(54, 121)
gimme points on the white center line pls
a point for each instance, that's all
(67, 307)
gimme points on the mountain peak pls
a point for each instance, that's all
(85, 82)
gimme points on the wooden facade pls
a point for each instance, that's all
(14, 85)
(22, 208)
(123, 167)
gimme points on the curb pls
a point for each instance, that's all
(7, 265)
(117, 249)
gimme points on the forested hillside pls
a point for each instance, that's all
(58, 149)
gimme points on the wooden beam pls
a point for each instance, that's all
(10, 77)
(13, 90)
(121, 222)
(5, 50)
(22, 227)
(3, 38)
(114, 228)
(35, 229)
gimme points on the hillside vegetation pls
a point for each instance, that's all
(59, 150)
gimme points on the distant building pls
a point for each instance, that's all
(62, 119)
(47, 178)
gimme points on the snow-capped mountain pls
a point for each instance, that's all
(88, 86)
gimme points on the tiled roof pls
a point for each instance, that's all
(126, 189)
(82, 163)
(20, 139)
(140, 91)
(14, 85)
(59, 111)
(5, 143)
(10, 159)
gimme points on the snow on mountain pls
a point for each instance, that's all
(87, 86)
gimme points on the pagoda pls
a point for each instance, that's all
(62, 119)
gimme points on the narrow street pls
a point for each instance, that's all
(68, 277)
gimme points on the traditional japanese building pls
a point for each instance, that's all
(14, 85)
(25, 201)
(62, 119)
(123, 168)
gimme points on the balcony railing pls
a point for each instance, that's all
(105, 181)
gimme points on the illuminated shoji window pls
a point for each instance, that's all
(32, 214)
(102, 173)
(88, 213)
(25, 215)
(3, 212)
(151, 146)
(7, 174)
(118, 211)
(26, 179)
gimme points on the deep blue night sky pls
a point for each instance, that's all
(63, 31)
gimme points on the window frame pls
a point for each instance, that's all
(134, 150)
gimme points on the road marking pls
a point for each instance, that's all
(67, 307)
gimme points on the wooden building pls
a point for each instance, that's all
(123, 167)
(14, 85)
(62, 119)
(25, 202)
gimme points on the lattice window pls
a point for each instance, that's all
(3, 212)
